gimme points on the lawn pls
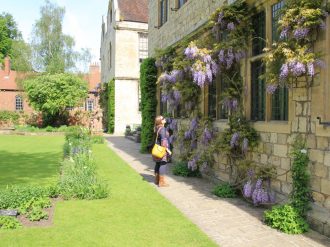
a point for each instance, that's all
(135, 214)
(30, 160)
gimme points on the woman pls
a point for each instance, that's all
(162, 139)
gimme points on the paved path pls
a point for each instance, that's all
(229, 222)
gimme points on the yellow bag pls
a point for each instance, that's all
(158, 151)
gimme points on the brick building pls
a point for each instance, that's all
(124, 44)
(280, 120)
(13, 98)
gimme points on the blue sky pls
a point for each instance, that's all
(82, 19)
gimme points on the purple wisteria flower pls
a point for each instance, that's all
(284, 72)
(192, 164)
(220, 17)
(234, 139)
(230, 104)
(207, 136)
(250, 173)
(194, 124)
(164, 98)
(284, 33)
(231, 26)
(297, 68)
(245, 145)
(193, 144)
(320, 63)
(177, 95)
(311, 69)
(271, 88)
(187, 135)
(191, 51)
(301, 33)
(247, 189)
(259, 183)
(173, 125)
(204, 167)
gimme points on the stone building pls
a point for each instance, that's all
(124, 44)
(279, 120)
(13, 98)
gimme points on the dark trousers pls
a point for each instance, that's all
(158, 165)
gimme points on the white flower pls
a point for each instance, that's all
(303, 151)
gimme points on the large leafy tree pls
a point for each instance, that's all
(8, 33)
(53, 93)
(52, 49)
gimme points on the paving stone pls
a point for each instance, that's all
(229, 222)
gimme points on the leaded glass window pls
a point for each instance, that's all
(163, 11)
(259, 33)
(276, 13)
(258, 100)
(212, 100)
(19, 103)
(143, 46)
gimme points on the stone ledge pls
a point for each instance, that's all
(319, 220)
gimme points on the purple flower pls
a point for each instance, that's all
(247, 189)
(220, 17)
(193, 144)
(297, 68)
(250, 173)
(173, 125)
(230, 58)
(319, 63)
(204, 166)
(207, 136)
(222, 56)
(192, 165)
(191, 51)
(245, 145)
(284, 33)
(214, 67)
(207, 58)
(177, 95)
(284, 72)
(310, 68)
(271, 88)
(234, 139)
(301, 33)
(231, 26)
(164, 98)
(259, 183)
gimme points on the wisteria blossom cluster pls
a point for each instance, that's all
(191, 133)
(172, 97)
(230, 104)
(228, 57)
(235, 142)
(204, 68)
(257, 193)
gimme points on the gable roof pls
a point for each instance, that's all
(134, 10)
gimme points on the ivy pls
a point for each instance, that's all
(148, 77)
(111, 106)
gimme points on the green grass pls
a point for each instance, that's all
(135, 214)
(30, 159)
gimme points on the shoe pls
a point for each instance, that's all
(162, 182)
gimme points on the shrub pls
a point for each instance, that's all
(9, 222)
(97, 139)
(79, 179)
(111, 106)
(181, 169)
(224, 191)
(287, 219)
(15, 197)
(9, 117)
(148, 78)
(37, 214)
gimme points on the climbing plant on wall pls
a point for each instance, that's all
(111, 106)
(148, 78)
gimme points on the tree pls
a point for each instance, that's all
(52, 94)
(21, 56)
(8, 33)
(52, 50)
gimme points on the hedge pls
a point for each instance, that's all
(148, 78)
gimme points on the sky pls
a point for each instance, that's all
(82, 20)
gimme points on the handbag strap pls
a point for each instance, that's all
(157, 134)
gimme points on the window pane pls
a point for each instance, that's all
(181, 2)
(163, 11)
(259, 33)
(18, 103)
(212, 100)
(257, 92)
(223, 111)
(280, 104)
(276, 11)
(143, 46)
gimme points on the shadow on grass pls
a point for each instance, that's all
(202, 186)
(26, 168)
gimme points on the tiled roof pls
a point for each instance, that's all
(134, 10)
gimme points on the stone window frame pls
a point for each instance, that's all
(180, 3)
(282, 126)
(19, 103)
(143, 46)
(89, 104)
(163, 16)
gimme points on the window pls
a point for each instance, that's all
(223, 111)
(139, 96)
(18, 103)
(259, 33)
(90, 105)
(163, 12)
(276, 12)
(181, 2)
(143, 46)
(212, 100)
(110, 54)
(280, 97)
(258, 100)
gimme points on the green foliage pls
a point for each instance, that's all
(20, 196)
(9, 222)
(21, 56)
(301, 188)
(36, 214)
(287, 219)
(111, 106)
(103, 102)
(97, 139)
(181, 169)
(29, 128)
(78, 140)
(52, 94)
(53, 50)
(224, 191)
(9, 116)
(79, 179)
(148, 78)
(41, 202)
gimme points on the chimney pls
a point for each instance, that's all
(7, 66)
